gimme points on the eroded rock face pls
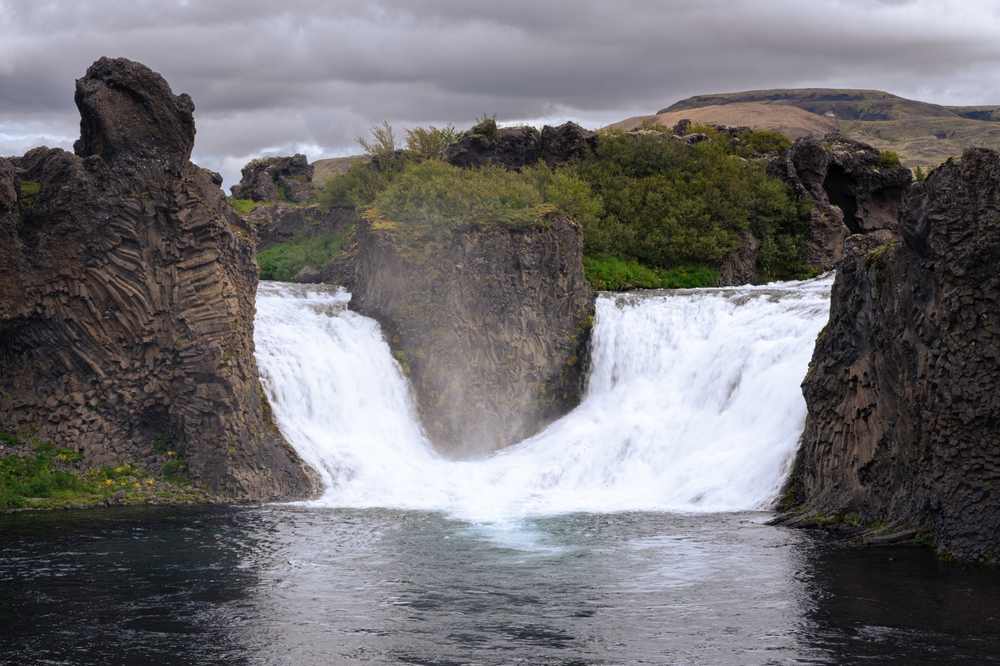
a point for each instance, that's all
(127, 297)
(851, 195)
(262, 177)
(492, 326)
(904, 388)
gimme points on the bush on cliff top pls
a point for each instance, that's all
(645, 200)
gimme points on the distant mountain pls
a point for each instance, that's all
(923, 134)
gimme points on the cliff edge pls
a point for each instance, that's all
(903, 392)
(127, 287)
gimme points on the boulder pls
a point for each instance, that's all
(309, 275)
(517, 147)
(262, 177)
(127, 286)
(903, 392)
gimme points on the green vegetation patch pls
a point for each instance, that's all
(655, 211)
(243, 206)
(283, 262)
(434, 195)
(46, 480)
(613, 274)
(29, 189)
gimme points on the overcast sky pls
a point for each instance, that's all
(277, 77)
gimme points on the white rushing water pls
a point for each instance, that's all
(693, 404)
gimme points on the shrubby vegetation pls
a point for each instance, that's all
(283, 262)
(655, 211)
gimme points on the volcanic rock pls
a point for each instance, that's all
(903, 393)
(848, 191)
(262, 177)
(127, 287)
(491, 325)
(518, 147)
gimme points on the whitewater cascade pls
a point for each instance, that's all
(693, 404)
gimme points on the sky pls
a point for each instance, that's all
(310, 76)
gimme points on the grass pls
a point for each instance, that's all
(283, 262)
(613, 274)
(243, 206)
(47, 480)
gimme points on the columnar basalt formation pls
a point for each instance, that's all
(127, 287)
(849, 191)
(904, 388)
(492, 326)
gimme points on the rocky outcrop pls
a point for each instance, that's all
(281, 222)
(127, 290)
(262, 178)
(846, 189)
(903, 392)
(518, 147)
(491, 325)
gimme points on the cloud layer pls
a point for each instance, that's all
(311, 75)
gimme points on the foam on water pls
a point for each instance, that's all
(693, 404)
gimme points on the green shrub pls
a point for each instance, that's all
(919, 175)
(765, 141)
(384, 140)
(431, 141)
(435, 196)
(283, 262)
(888, 160)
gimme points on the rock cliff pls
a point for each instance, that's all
(492, 325)
(903, 392)
(266, 179)
(849, 191)
(127, 287)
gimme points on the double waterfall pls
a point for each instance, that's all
(693, 404)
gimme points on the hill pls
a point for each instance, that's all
(923, 134)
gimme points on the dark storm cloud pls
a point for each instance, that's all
(312, 75)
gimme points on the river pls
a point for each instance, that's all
(631, 531)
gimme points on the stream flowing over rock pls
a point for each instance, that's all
(492, 325)
(903, 392)
(127, 289)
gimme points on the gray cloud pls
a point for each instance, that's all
(311, 75)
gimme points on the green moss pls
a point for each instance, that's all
(46, 480)
(243, 206)
(29, 189)
(283, 262)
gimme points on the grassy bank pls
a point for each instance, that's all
(49, 479)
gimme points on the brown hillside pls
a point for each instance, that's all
(789, 120)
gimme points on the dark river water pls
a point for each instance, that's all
(293, 585)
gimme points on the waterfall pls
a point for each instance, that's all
(693, 404)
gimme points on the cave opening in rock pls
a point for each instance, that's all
(840, 187)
